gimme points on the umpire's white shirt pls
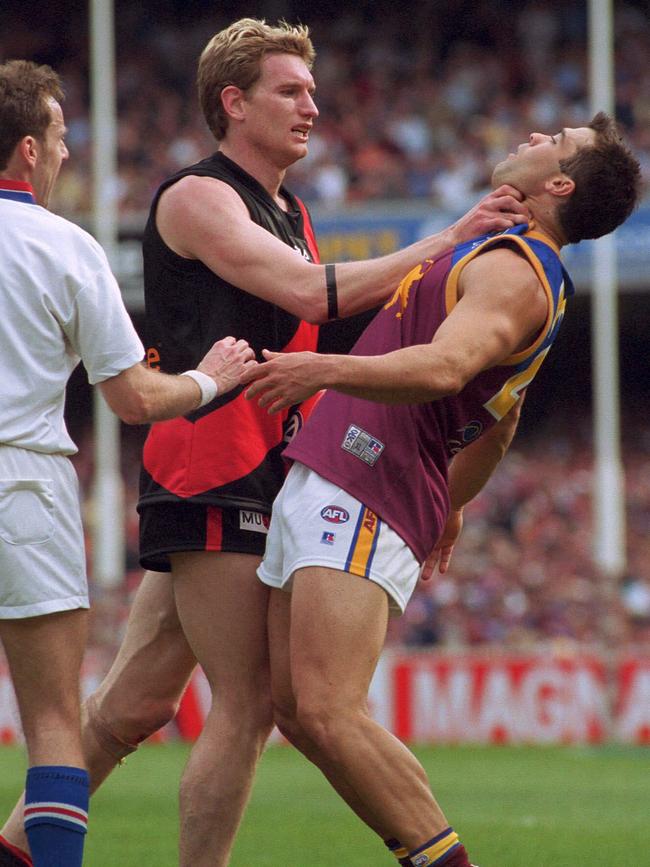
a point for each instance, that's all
(59, 303)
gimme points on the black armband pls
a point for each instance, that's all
(332, 296)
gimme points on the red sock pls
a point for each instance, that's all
(21, 856)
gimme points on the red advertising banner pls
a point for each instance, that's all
(500, 700)
(632, 710)
(466, 698)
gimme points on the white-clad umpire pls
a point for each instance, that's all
(59, 303)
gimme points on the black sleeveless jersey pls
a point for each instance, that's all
(227, 453)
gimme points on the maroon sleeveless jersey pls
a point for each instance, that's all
(394, 458)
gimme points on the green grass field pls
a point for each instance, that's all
(514, 807)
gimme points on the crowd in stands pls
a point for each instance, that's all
(416, 101)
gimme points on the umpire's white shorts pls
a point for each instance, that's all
(42, 557)
(316, 523)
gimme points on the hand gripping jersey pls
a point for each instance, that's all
(394, 458)
(227, 453)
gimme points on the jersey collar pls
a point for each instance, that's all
(539, 235)
(17, 191)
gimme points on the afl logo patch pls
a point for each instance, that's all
(335, 515)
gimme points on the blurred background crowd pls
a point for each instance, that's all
(417, 101)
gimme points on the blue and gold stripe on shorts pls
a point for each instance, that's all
(364, 544)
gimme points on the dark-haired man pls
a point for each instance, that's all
(437, 374)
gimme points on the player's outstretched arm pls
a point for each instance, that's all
(469, 472)
(503, 306)
(444, 548)
(140, 395)
(203, 218)
(473, 466)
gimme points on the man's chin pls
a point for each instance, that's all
(500, 175)
(302, 150)
(297, 152)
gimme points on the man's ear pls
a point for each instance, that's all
(232, 99)
(560, 185)
(27, 149)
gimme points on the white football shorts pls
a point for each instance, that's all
(42, 556)
(316, 523)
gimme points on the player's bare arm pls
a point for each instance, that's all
(440, 557)
(140, 395)
(204, 218)
(473, 466)
(469, 472)
(502, 308)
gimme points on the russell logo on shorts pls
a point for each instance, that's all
(335, 514)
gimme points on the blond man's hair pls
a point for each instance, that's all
(234, 57)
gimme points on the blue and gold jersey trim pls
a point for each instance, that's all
(542, 254)
(542, 257)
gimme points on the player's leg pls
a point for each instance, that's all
(284, 711)
(139, 694)
(223, 609)
(43, 609)
(145, 683)
(338, 626)
(301, 532)
(284, 704)
(44, 655)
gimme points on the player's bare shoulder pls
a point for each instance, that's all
(196, 206)
(503, 279)
(503, 271)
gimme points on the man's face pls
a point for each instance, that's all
(280, 109)
(51, 153)
(538, 160)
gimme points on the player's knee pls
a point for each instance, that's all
(246, 717)
(284, 716)
(120, 728)
(259, 713)
(266, 717)
(318, 721)
(148, 719)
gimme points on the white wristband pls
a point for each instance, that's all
(207, 385)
